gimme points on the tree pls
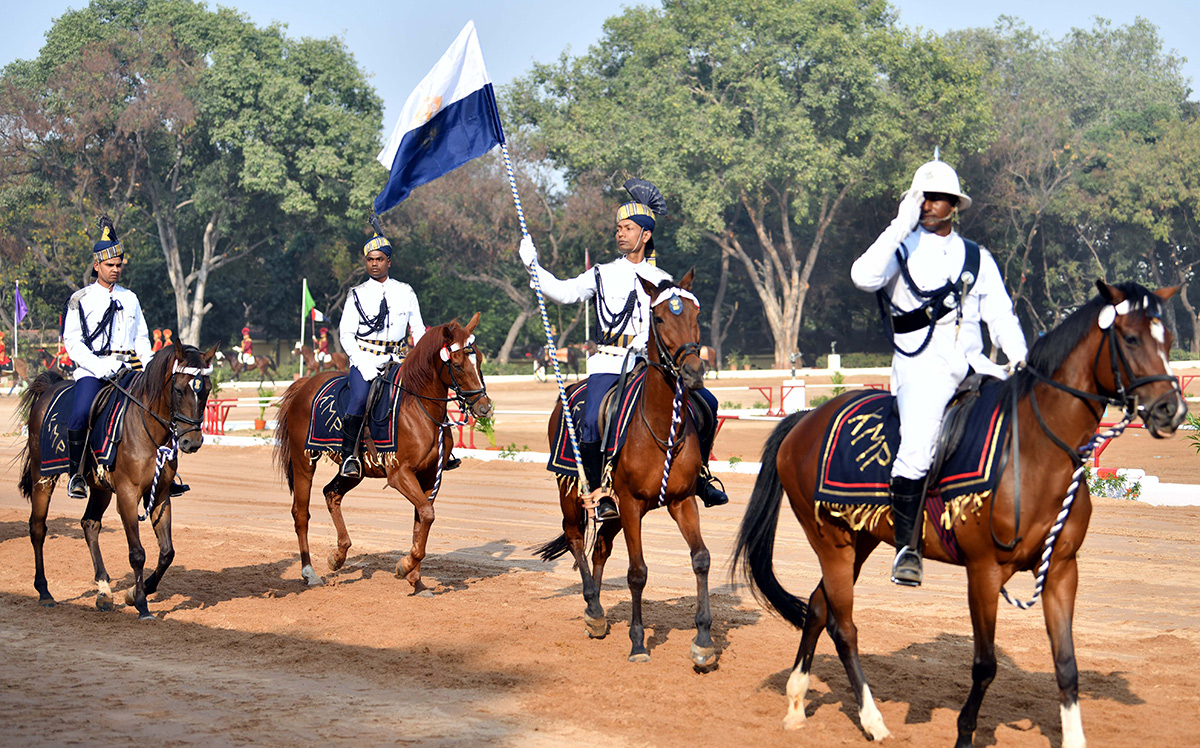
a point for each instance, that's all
(222, 137)
(759, 119)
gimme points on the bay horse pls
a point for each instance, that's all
(338, 361)
(637, 476)
(1113, 350)
(541, 361)
(443, 360)
(264, 364)
(166, 409)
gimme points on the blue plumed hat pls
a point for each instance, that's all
(108, 246)
(378, 240)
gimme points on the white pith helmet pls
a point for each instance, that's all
(939, 176)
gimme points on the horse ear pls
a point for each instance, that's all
(686, 282)
(470, 328)
(650, 288)
(1166, 293)
(180, 353)
(1111, 294)
(208, 355)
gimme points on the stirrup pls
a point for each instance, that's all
(351, 467)
(178, 489)
(77, 487)
(709, 493)
(606, 509)
(451, 464)
(906, 568)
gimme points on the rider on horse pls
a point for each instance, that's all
(5, 360)
(104, 332)
(378, 316)
(935, 288)
(623, 327)
(321, 348)
(246, 354)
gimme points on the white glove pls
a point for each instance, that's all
(528, 252)
(909, 214)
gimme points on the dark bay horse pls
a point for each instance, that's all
(444, 360)
(337, 360)
(1111, 351)
(264, 364)
(168, 405)
(542, 365)
(637, 476)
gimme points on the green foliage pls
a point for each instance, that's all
(838, 379)
(487, 427)
(735, 460)
(512, 450)
(818, 400)
(1113, 487)
(264, 395)
(1194, 437)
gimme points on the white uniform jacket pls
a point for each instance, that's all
(125, 332)
(617, 279)
(364, 306)
(934, 261)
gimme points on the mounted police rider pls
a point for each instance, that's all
(622, 328)
(378, 316)
(935, 288)
(104, 332)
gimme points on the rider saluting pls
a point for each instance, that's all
(622, 326)
(104, 331)
(378, 315)
(935, 288)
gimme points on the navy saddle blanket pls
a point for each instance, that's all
(107, 427)
(329, 407)
(562, 458)
(861, 440)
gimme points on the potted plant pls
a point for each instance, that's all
(260, 423)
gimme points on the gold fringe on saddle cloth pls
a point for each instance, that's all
(369, 459)
(860, 517)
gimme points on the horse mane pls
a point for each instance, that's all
(420, 365)
(1050, 351)
(154, 380)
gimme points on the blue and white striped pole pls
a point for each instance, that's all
(537, 287)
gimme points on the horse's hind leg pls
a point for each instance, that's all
(302, 475)
(1058, 604)
(39, 508)
(334, 492)
(983, 593)
(160, 518)
(704, 654)
(98, 501)
(573, 524)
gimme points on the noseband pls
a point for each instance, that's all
(669, 362)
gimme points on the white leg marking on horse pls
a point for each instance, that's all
(1072, 727)
(797, 687)
(104, 588)
(871, 719)
(311, 576)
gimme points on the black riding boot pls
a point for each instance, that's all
(593, 466)
(178, 487)
(76, 442)
(707, 490)
(907, 497)
(351, 432)
(451, 463)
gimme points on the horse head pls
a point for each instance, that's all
(189, 380)
(1138, 348)
(674, 343)
(461, 362)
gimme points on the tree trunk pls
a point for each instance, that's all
(513, 330)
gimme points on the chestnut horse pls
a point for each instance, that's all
(167, 406)
(337, 361)
(637, 476)
(1112, 351)
(444, 360)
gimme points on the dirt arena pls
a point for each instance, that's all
(243, 653)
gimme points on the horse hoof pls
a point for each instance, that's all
(794, 720)
(147, 617)
(129, 597)
(311, 577)
(104, 602)
(639, 657)
(47, 602)
(597, 628)
(704, 659)
(426, 592)
(335, 562)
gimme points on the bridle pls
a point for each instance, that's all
(466, 398)
(670, 363)
(196, 375)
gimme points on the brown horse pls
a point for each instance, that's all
(264, 364)
(541, 361)
(1111, 351)
(167, 397)
(637, 477)
(443, 360)
(338, 361)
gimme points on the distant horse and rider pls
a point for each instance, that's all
(1112, 351)
(569, 355)
(338, 361)
(264, 364)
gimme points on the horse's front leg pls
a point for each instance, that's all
(334, 492)
(128, 497)
(704, 654)
(402, 478)
(98, 501)
(983, 593)
(631, 523)
(1058, 605)
(160, 518)
(38, 510)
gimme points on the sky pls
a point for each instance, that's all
(398, 42)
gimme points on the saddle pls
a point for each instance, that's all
(329, 409)
(107, 426)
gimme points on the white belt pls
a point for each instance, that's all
(616, 350)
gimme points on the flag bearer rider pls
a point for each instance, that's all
(104, 332)
(935, 287)
(623, 325)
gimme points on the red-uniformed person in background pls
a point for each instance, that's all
(246, 354)
(321, 349)
(5, 361)
(61, 359)
(156, 340)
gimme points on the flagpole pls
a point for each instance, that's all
(303, 298)
(15, 323)
(537, 287)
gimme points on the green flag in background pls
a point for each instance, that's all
(309, 304)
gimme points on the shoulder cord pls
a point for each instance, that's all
(372, 324)
(105, 326)
(612, 325)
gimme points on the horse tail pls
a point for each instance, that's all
(283, 441)
(755, 548)
(270, 363)
(43, 383)
(553, 549)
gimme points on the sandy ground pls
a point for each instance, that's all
(243, 653)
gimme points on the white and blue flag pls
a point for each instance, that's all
(448, 120)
